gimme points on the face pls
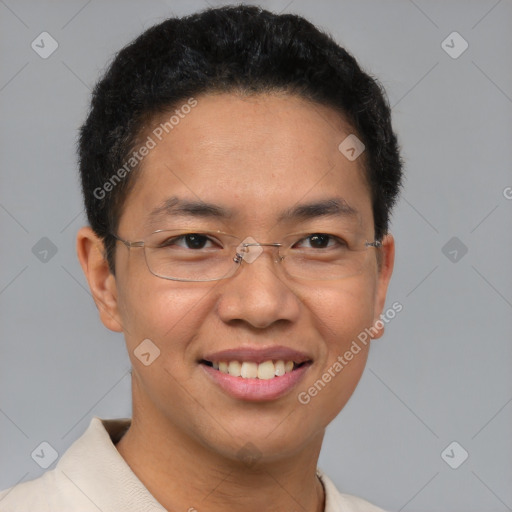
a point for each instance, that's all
(255, 159)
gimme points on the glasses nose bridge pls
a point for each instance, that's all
(244, 252)
(263, 244)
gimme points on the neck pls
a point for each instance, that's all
(183, 474)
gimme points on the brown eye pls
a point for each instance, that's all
(319, 241)
(195, 241)
(188, 241)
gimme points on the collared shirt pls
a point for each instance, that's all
(92, 476)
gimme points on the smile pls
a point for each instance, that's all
(256, 374)
(250, 370)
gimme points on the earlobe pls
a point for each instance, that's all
(102, 283)
(377, 329)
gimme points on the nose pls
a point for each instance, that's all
(258, 294)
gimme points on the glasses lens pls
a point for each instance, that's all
(321, 256)
(191, 255)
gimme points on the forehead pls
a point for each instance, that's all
(254, 156)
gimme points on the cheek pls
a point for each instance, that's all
(166, 312)
(343, 311)
(341, 314)
(170, 315)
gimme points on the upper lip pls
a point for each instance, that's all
(258, 355)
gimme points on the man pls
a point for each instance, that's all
(238, 171)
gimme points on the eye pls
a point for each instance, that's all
(189, 241)
(320, 241)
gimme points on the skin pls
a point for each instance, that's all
(257, 156)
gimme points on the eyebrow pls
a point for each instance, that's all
(174, 206)
(333, 207)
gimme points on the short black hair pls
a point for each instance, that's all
(243, 49)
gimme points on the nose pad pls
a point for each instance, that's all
(249, 250)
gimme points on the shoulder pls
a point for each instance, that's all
(73, 483)
(32, 495)
(337, 502)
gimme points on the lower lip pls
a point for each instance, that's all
(257, 390)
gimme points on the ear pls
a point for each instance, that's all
(385, 269)
(102, 283)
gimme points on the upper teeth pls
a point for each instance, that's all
(249, 370)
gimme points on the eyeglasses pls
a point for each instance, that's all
(198, 255)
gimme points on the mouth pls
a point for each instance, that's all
(256, 375)
(266, 370)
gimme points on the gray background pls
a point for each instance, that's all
(442, 372)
